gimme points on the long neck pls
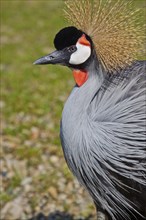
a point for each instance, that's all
(81, 97)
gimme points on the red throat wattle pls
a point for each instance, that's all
(80, 76)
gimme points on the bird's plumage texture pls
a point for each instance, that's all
(103, 126)
(115, 27)
(104, 139)
(103, 129)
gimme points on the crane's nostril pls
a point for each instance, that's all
(51, 57)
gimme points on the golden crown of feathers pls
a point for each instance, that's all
(116, 28)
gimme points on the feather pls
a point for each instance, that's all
(104, 140)
(114, 26)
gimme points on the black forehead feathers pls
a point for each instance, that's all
(66, 37)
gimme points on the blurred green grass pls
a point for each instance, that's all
(27, 32)
(28, 29)
(32, 96)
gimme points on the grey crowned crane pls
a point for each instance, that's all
(103, 126)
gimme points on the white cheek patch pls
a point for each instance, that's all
(82, 53)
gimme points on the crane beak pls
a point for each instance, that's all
(56, 57)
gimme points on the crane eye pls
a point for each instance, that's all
(72, 49)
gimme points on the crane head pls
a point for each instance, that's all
(73, 49)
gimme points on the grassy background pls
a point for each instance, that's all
(31, 103)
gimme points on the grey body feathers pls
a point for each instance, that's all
(103, 136)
